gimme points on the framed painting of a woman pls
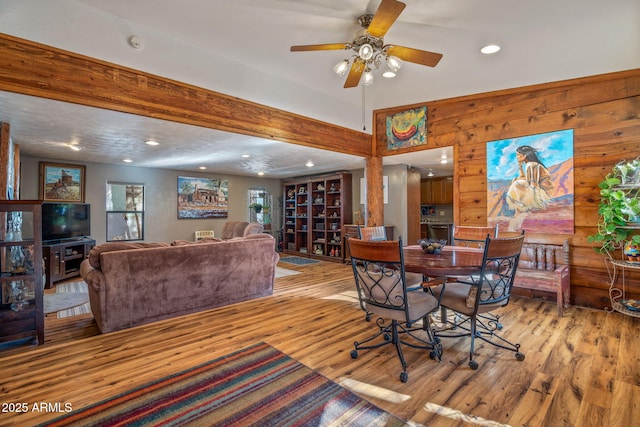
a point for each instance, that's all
(530, 183)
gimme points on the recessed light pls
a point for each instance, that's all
(202, 167)
(309, 164)
(260, 173)
(245, 155)
(74, 147)
(127, 160)
(152, 142)
(490, 48)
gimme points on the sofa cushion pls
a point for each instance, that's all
(253, 228)
(94, 254)
(233, 229)
(238, 229)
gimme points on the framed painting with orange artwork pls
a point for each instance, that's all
(407, 129)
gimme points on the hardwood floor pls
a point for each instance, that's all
(580, 370)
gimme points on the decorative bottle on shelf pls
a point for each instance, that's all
(333, 252)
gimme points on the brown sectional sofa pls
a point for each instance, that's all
(135, 283)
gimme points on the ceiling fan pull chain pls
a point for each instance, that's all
(364, 126)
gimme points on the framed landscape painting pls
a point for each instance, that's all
(61, 182)
(202, 198)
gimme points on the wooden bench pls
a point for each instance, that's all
(544, 266)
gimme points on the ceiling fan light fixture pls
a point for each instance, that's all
(394, 63)
(365, 52)
(490, 49)
(367, 77)
(341, 67)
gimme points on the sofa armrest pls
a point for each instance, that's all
(92, 276)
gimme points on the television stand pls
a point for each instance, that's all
(62, 258)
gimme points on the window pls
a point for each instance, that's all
(260, 207)
(125, 211)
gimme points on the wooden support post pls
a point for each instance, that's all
(374, 205)
(16, 171)
(5, 161)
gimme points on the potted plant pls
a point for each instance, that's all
(619, 209)
(257, 207)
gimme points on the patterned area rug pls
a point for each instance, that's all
(298, 260)
(73, 287)
(258, 386)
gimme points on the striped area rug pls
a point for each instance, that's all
(255, 386)
(73, 287)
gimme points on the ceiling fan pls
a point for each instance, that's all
(370, 49)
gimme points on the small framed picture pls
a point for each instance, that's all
(61, 182)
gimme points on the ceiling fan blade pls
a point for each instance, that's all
(385, 16)
(311, 47)
(430, 59)
(357, 68)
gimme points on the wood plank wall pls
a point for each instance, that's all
(603, 111)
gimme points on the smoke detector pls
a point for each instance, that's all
(136, 42)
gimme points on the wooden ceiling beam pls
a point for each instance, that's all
(34, 69)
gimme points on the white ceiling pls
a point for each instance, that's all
(241, 48)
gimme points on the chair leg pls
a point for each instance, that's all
(472, 363)
(404, 377)
(488, 331)
(392, 334)
(482, 327)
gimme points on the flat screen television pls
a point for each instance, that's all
(65, 221)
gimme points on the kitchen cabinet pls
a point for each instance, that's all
(425, 192)
(424, 231)
(436, 191)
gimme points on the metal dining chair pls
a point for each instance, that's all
(475, 297)
(378, 270)
(472, 236)
(374, 233)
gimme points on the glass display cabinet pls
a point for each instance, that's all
(21, 308)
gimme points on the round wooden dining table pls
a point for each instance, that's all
(452, 261)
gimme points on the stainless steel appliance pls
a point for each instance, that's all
(440, 232)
